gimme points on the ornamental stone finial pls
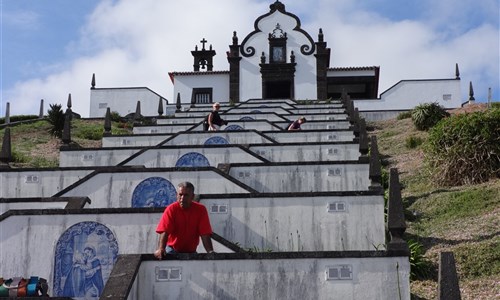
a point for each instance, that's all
(471, 93)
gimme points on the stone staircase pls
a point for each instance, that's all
(297, 215)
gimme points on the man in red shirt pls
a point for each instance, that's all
(183, 223)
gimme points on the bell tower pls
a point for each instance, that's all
(203, 58)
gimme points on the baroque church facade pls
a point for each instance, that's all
(279, 60)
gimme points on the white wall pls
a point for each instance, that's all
(124, 101)
(94, 157)
(30, 249)
(311, 152)
(184, 85)
(5, 206)
(407, 94)
(303, 136)
(115, 190)
(303, 178)
(24, 183)
(233, 137)
(134, 140)
(305, 73)
(170, 128)
(168, 157)
(374, 278)
(301, 223)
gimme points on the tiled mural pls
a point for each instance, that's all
(234, 127)
(192, 159)
(84, 257)
(216, 140)
(154, 192)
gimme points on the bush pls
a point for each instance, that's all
(115, 116)
(465, 149)
(89, 133)
(56, 118)
(404, 115)
(19, 118)
(413, 142)
(420, 267)
(426, 115)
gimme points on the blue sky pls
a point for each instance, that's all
(50, 48)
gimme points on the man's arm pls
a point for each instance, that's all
(210, 121)
(162, 242)
(207, 243)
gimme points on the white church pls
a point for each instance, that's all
(280, 60)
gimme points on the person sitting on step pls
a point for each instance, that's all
(182, 224)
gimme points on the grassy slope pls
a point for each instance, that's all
(464, 220)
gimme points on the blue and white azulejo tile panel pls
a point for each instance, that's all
(84, 257)
(192, 159)
(154, 192)
(216, 140)
(234, 127)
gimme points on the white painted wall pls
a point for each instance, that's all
(318, 125)
(25, 183)
(184, 120)
(6, 206)
(301, 223)
(94, 157)
(168, 128)
(168, 157)
(303, 136)
(184, 85)
(305, 73)
(375, 278)
(303, 178)
(115, 190)
(407, 94)
(310, 152)
(124, 101)
(233, 137)
(30, 248)
(134, 140)
(317, 117)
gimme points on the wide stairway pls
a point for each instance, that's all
(295, 214)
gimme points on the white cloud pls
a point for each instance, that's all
(136, 43)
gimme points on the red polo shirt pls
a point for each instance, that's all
(184, 226)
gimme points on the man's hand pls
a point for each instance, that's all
(159, 253)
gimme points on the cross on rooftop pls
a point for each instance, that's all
(203, 42)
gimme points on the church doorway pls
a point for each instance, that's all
(278, 90)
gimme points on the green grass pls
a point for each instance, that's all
(446, 206)
(480, 259)
(461, 219)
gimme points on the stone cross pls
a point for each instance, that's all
(203, 42)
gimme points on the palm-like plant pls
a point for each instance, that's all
(56, 118)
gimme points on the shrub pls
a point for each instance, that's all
(19, 157)
(465, 149)
(89, 133)
(413, 142)
(56, 119)
(404, 115)
(19, 118)
(420, 267)
(426, 115)
(115, 116)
